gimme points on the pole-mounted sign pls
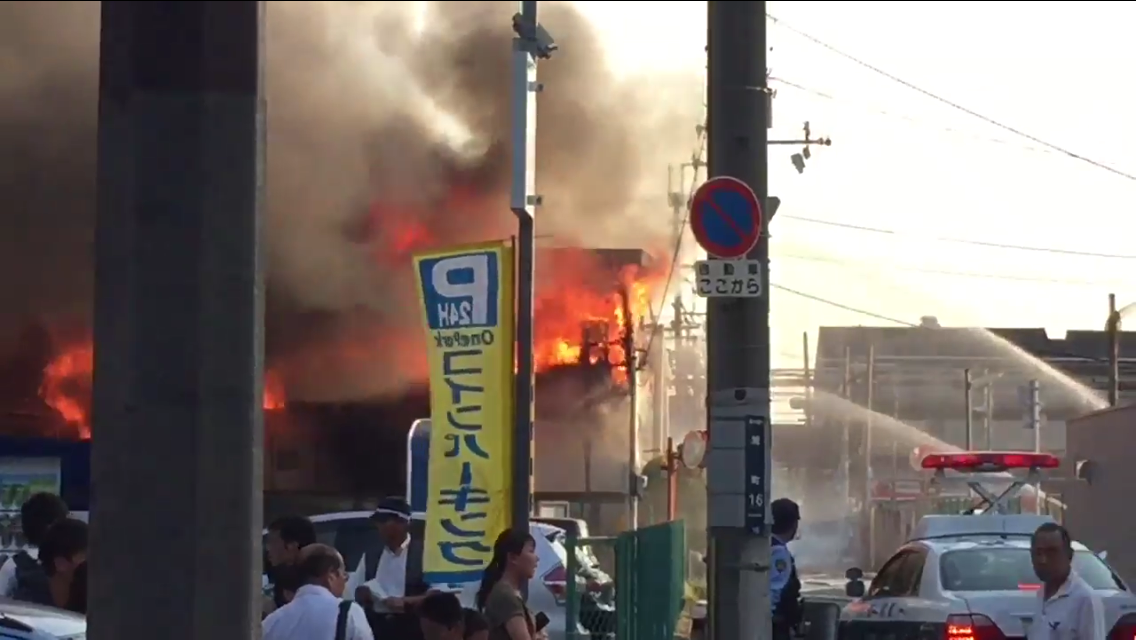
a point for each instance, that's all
(726, 218)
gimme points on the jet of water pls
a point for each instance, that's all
(1042, 370)
(892, 430)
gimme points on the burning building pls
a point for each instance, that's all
(388, 134)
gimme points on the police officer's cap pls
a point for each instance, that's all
(392, 509)
(785, 512)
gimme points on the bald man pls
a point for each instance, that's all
(318, 611)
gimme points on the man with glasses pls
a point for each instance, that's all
(317, 612)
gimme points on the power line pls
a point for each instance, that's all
(950, 103)
(907, 118)
(839, 305)
(967, 241)
(940, 272)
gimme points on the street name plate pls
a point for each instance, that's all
(737, 483)
(728, 278)
(757, 485)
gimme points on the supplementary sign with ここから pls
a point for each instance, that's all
(467, 298)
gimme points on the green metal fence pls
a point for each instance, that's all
(649, 584)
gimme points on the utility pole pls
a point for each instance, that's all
(868, 428)
(670, 459)
(179, 322)
(532, 43)
(631, 362)
(1112, 327)
(846, 427)
(808, 379)
(968, 387)
(738, 368)
(988, 411)
(1033, 406)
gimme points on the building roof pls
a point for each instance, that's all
(963, 342)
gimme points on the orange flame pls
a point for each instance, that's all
(67, 383)
(273, 391)
(66, 387)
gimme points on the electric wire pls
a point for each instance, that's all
(975, 136)
(967, 241)
(950, 103)
(841, 305)
(879, 266)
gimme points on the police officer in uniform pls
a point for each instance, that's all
(784, 586)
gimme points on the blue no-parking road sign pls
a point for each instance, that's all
(725, 217)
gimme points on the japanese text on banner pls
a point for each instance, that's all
(467, 297)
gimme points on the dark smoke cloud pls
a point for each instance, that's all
(356, 153)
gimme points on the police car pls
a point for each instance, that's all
(970, 577)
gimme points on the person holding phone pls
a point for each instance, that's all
(513, 564)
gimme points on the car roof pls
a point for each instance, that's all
(949, 526)
(943, 545)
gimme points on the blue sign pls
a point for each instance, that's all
(418, 467)
(725, 217)
(757, 485)
(460, 291)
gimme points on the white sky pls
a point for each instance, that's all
(902, 161)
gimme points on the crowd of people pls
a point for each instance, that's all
(316, 597)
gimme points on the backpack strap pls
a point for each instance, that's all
(341, 620)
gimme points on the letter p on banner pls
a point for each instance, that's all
(467, 303)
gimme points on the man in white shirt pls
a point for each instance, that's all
(317, 612)
(37, 514)
(1067, 608)
(385, 593)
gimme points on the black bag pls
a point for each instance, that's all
(31, 581)
(341, 620)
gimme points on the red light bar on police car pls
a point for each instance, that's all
(979, 461)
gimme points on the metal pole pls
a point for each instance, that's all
(988, 415)
(530, 44)
(1035, 424)
(868, 428)
(738, 368)
(659, 414)
(1113, 329)
(631, 361)
(846, 428)
(179, 322)
(968, 386)
(672, 480)
(808, 378)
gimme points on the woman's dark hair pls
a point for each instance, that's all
(511, 542)
(65, 539)
(77, 598)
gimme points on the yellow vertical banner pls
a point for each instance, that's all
(467, 301)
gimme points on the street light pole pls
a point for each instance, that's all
(531, 44)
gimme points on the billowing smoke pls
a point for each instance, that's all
(388, 131)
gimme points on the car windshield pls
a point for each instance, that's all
(1010, 569)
